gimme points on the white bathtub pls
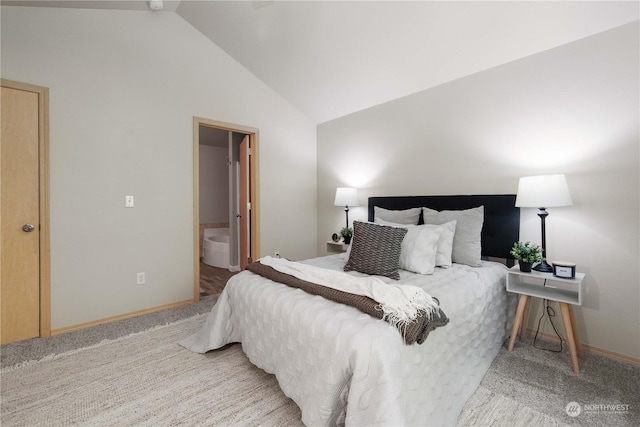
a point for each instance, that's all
(215, 247)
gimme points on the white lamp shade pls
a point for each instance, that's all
(543, 191)
(346, 196)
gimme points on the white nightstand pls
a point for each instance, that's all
(567, 292)
(336, 246)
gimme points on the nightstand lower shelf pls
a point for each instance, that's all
(522, 314)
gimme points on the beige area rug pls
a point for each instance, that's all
(144, 379)
(486, 408)
(147, 379)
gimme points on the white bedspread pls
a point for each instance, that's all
(342, 366)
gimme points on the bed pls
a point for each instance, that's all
(344, 367)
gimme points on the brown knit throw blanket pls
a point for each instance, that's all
(416, 331)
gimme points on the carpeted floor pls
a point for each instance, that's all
(145, 379)
(38, 348)
(526, 387)
(533, 382)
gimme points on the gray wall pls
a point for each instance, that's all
(124, 88)
(572, 110)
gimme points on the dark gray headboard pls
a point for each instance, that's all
(501, 216)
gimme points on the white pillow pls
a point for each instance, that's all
(467, 246)
(445, 233)
(418, 250)
(406, 216)
(445, 243)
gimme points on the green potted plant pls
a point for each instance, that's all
(527, 254)
(346, 234)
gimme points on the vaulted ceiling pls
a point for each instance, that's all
(333, 58)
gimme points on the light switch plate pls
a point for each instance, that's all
(128, 201)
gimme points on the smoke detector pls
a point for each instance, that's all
(156, 5)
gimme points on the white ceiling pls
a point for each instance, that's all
(332, 58)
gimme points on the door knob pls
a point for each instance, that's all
(27, 228)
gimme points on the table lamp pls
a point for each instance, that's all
(542, 192)
(346, 196)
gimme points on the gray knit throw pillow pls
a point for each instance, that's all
(375, 249)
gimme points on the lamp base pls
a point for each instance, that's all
(543, 267)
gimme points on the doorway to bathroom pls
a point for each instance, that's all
(225, 202)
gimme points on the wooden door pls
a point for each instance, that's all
(245, 202)
(20, 218)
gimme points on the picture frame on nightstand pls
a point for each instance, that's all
(564, 269)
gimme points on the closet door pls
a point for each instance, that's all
(20, 220)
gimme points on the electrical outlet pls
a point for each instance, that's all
(277, 254)
(140, 278)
